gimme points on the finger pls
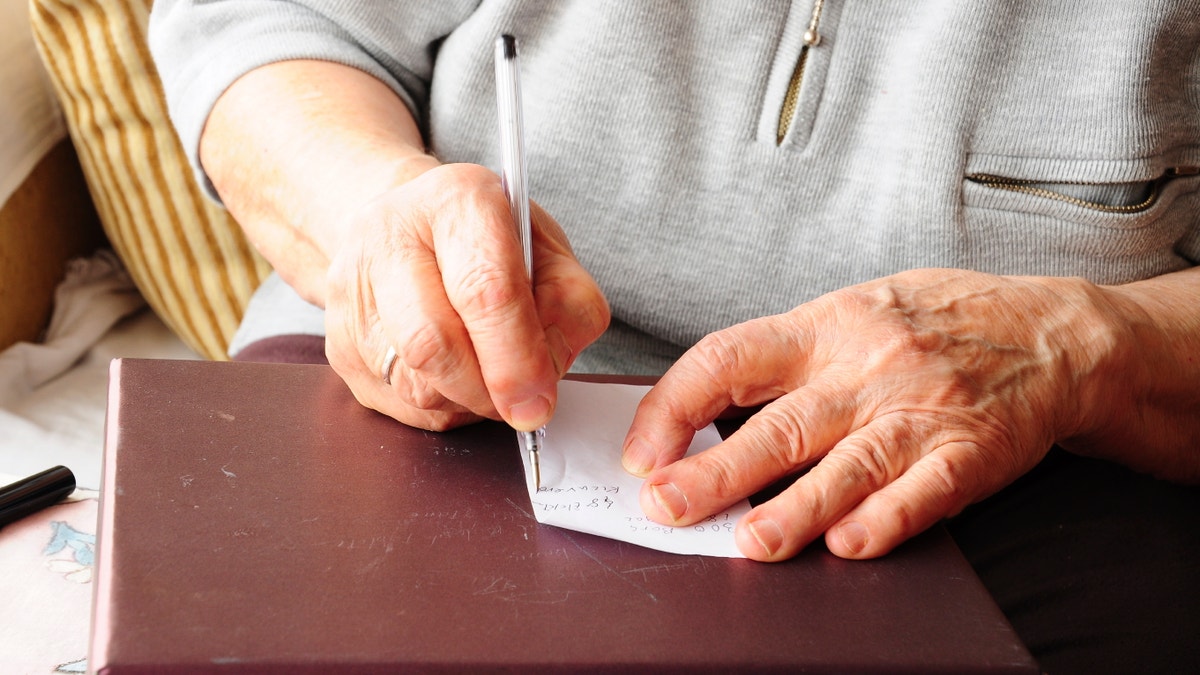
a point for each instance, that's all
(745, 365)
(865, 461)
(389, 294)
(412, 390)
(483, 272)
(431, 411)
(570, 305)
(392, 295)
(366, 382)
(941, 484)
(786, 435)
(436, 353)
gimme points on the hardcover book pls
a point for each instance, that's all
(255, 518)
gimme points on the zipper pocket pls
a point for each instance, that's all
(793, 94)
(1046, 189)
(812, 38)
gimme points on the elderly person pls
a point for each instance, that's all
(927, 242)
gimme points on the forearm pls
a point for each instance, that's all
(294, 147)
(1144, 408)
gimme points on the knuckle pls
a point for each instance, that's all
(589, 314)
(945, 480)
(862, 460)
(718, 352)
(781, 434)
(901, 514)
(487, 292)
(930, 497)
(718, 355)
(415, 391)
(428, 348)
(719, 475)
(424, 397)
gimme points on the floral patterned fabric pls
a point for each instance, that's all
(46, 563)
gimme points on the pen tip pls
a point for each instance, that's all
(533, 443)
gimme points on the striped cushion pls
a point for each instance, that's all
(188, 257)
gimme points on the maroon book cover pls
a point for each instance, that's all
(255, 518)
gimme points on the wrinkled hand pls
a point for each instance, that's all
(910, 397)
(434, 268)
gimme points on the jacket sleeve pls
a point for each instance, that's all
(201, 47)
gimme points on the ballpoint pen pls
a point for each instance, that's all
(514, 176)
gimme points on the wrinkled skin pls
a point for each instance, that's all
(906, 398)
(909, 397)
(435, 269)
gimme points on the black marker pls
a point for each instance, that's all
(35, 493)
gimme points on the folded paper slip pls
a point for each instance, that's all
(584, 487)
(256, 519)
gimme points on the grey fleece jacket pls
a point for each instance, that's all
(1007, 136)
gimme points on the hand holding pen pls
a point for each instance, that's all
(430, 313)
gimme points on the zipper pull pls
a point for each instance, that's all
(1183, 171)
(811, 37)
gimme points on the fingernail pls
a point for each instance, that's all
(854, 536)
(530, 414)
(638, 458)
(560, 350)
(768, 535)
(672, 502)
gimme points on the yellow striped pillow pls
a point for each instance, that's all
(188, 257)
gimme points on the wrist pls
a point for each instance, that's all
(1105, 363)
(1138, 405)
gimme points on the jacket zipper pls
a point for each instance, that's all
(1036, 188)
(812, 38)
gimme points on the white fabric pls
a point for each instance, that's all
(95, 294)
(53, 394)
(30, 119)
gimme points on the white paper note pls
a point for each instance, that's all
(584, 487)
